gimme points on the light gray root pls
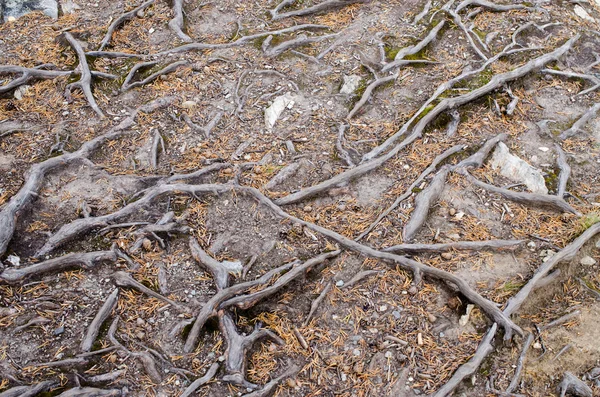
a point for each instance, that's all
(299, 41)
(176, 24)
(324, 6)
(90, 392)
(208, 376)
(127, 84)
(101, 316)
(269, 388)
(368, 92)
(488, 245)
(577, 127)
(124, 280)
(359, 277)
(314, 306)
(87, 260)
(520, 362)
(339, 145)
(220, 271)
(119, 21)
(561, 320)
(27, 75)
(565, 171)
(574, 386)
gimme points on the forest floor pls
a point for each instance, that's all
(173, 206)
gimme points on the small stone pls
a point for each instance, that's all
(383, 308)
(227, 171)
(543, 149)
(147, 244)
(140, 322)
(221, 358)
(431, 318)
(531, 244)
(396, 314)
(58, 331)
(459, 216)
(413, 290)
(587, 261)
(291, 383)
(339, 283)
(344, 377)
(308, 208)
(451, 212)
(374, 331)
(420, 339)
(356, 352)
(454, 236)
(537, 345)
(140, 335)
(11, 19)
(446, 255)
(188, 105)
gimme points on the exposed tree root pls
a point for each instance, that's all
(271, 385)
(561, 320)
(210, 374)
(359, 277)
(210, 308)
(489, 245)
(123, 279)
(417, 268)
(537, 200)
(368, 92)
(409, 191)
(517, 376)
(101, 316)
(38, 171)
(29, 391)
(565, 172)
(119, 21)
(86, 260)
(90, 392)
(85, 81)
(206, 130)
(127, 84)
(577, 127)
(339, 145)
(299, 41)
(245, 302)
(219, 270)
(327, 5)
(176, 24)
(574, 386)
(166, 224)
(237, 348)
(314, 306)
(423, 203)
(28, 75)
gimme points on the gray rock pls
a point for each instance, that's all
(351, 84)
(273, 112)
(518, 170)
(587, 261)
(18, 8)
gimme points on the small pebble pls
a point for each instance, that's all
(396, 314)
(587, 261)
(58, 331)
(291, 383)
(431, 318)
(339, 283)
(537, 345)
(308, 208)
(420, 339)
(356, 352)
(140, 335)
(147, 244)
(413, 290)
(451, 212)
(188, 105)
(446, 255)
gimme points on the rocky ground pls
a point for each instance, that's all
(300, 198)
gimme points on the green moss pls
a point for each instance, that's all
(551, 180)
(477, 81)
(589, 220)
(417, 190)
(358, 93)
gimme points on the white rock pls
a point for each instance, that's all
(21, 91)
(464, 319)
(587, 261)
(273, 112)
(188, 105)
(11, 19)
(543, 149)
(351, 83)
(14, 260)
(518, 170)
(582, 13)
(69, 7)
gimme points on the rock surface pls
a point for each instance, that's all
(18, 8)
(518, 170)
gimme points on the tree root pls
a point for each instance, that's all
(314, 306)
(29, 391)
(27, 75)
(119, 21)
(565, 172)
(237, 348)
(437, 161)
(101, 316)
(574, 386)
(561, 320)
(37, 172)
(90, 392)
(164, 225)
(517, 376)
(206, 130)
(145, 358)
(359, 277)
(577, 127)
(83, 225)
(220, 271)
(106, 378)
(127, 84)
(368, 92)
(489, 245)
(87, 260)
(210, 374)
(339, 145)
(239, 42)
(267, 389)
(299, 41)
(123, 279)
(210, 308)
(418, 269)
(176, 24)
(245, 302)
(327, 5)
(590, 77)
(85, 81)
(423, 203)
(537, 200)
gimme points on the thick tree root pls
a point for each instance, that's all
(220, 271)
(368, 92)
(37, 172)
(237, 348)
(211, 307)
(101, 316)
(127, 84)
(245, 302)
(210, 374)
(489, 245)
(90, 392)
(28, 75)
(301, 40)
(423, 203)
(574, 386)
(119, 21)
(29, 391)
(85, 81)
(577, 126)
(123, 279)
(176, 24)
(327, 5)
(269, 388)
(87, 260)
(409, 191)
(417, 268)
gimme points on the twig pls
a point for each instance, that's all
(317, 302)
(359, 277)
(271, 385)
(517, 376)
(127, 85)
(561, 320)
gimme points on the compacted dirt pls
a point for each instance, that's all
(381, 333)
